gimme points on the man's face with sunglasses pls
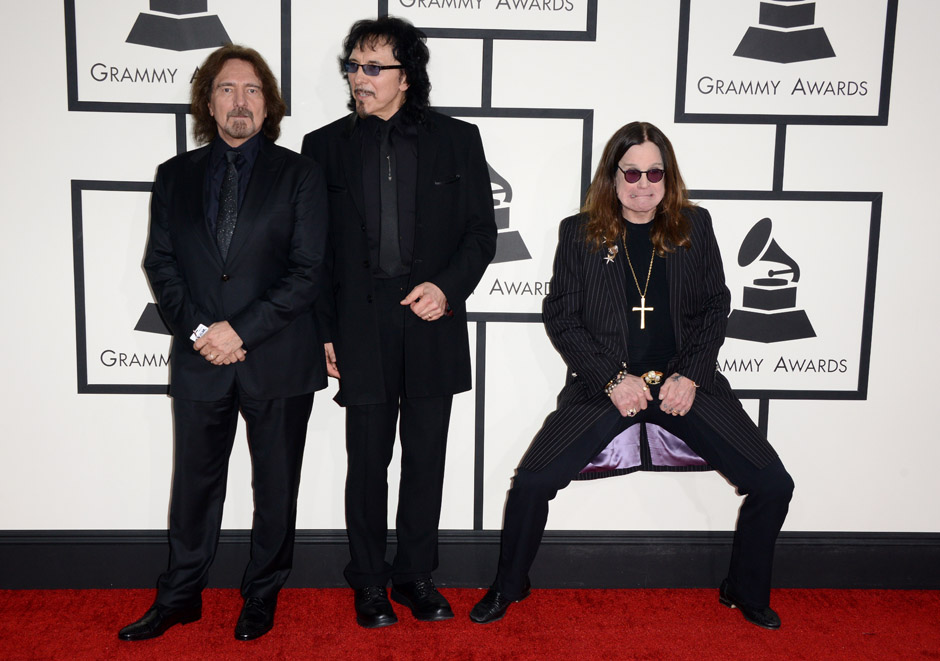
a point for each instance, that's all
(383, 92)
(641, 182)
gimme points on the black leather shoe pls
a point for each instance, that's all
(158, 619)
(425, 602)
(494, 604)
(373, 609)
(256, 619)
(762, 617)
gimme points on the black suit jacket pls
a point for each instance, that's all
(455, 239)
(265, 289)
(585, 316)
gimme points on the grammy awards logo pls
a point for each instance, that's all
(509, 244)
(769, 312)
(179, 34)
(786, 34)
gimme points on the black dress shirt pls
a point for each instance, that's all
(215, 173)
(404, 139)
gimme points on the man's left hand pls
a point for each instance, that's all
(427, 301)
(677, 395)
(219, 343)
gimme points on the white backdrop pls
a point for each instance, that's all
(71, 460)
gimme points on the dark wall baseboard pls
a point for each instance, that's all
(133, 559)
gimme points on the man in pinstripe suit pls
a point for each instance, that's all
(638, 293)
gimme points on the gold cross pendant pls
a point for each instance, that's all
(642, 310)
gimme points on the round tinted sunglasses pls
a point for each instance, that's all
(653, 175)
(369, 69)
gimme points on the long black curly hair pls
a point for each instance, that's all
(408, 47)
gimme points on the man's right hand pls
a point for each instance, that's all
(331, 367)
(631, 395)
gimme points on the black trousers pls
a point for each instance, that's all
(767, 494)
(370, 440)
(204, 435)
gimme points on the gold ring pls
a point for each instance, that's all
(652, 377)
(631, 412)
(645, 388)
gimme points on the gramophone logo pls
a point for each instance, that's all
(151, 322)
(181, 30)
(509, 244)
(768, 312)
(786, 34)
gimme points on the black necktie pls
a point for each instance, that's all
(389, 247)
(228, 205)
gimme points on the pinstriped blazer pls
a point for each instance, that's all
(585, 316)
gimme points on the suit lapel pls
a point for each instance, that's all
(675, 263)
(428, 144)
(263, 177)
(611, 274)
(195, 202)
(351, 157)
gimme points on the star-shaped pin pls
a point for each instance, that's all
(611, 253)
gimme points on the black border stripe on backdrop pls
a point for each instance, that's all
(78, 261)
(881, 119)
(586, 115)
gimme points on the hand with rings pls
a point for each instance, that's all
(630, 396)
(677, 395)
(427, 301)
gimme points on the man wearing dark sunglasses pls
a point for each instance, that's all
(411, 232)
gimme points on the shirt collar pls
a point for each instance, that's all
(248, 149)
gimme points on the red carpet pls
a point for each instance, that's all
(551, 624)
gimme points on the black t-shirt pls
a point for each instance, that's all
(653, 346)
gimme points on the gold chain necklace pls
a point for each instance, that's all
(642, 309)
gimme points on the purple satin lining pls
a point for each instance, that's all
(624, 451)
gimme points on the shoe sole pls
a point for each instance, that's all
(378, 623)
(252, 636)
